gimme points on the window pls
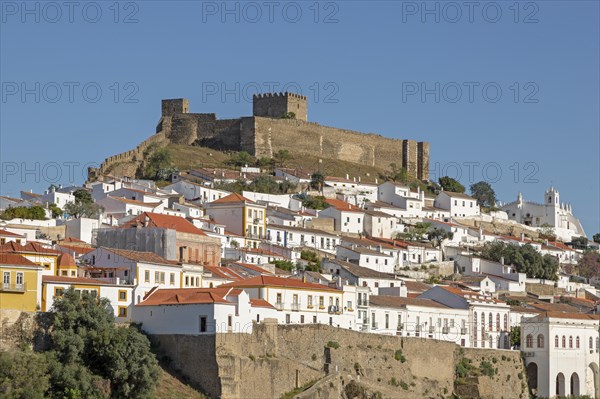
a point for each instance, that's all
(540, 341)
(302, 319)
(229, 321)
(147, 276)
(505, 322)
(172, 279)
(310, 303)
(529, 341)
(591, 343)
(314, 319)
(387, 320)
(350, 305)
(64, 273)
(202, 323)
(564, 341)
(122, 295)
(6, 278)
(287, 319)
(187, 281)
(321, 302)
(279, 298)
(571, 342)
(2, 241)
(122, 311)
(556, 341)
(490, 322)
(498, 322)
(58, 291)
(577, 342)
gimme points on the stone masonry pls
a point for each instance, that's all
(271, 128)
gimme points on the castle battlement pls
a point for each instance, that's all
(280, 94)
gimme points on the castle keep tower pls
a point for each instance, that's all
(175, 106)
(275, 105)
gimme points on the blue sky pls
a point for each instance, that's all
(508, 91)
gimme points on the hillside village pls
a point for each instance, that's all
(222, 250)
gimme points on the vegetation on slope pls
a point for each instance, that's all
(88, 356)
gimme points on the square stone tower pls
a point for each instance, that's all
(276, 105)
(175, 106)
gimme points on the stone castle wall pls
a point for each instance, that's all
(275, 359)
(263, 134)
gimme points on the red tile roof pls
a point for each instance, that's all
(273, 281)
(232, 198)
(159, 220)
(342, 206)
(181, 296)
(78, 249)
(6, 233)
(251, 267)
(260, 303)
(29, 248)
(66, 260)
(223, 272)
(15, 259)
(73, 280)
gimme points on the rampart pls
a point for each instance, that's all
(275, 359)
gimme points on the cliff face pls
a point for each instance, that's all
(335, 363)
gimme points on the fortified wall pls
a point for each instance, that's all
(275, 359)
(279, 121)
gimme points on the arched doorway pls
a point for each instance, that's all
(574, 384)
(532, 377)
(591, 380)
(560, 385)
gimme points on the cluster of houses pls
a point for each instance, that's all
(192, 259)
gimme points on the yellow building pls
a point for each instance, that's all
(35, 252)
(21, 283)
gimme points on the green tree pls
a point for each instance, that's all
(83, 209)
(84, 337)
(484, 194)
(83, 196)
(515, 336)
(437, 235)
(282, 156)
(317, 202)
(317, 181)
(450, 184)
(526, 259)
(56, 211)
(23, 212)
(284, 265)
(159, 165)
(596, 237)
(23, 375)
(416, 232)
(289, 115)
(241, 158)
(579, 242)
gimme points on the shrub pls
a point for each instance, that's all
(332, 344)
(313, 357)
(399, 356)
(487, 368)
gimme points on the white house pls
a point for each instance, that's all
(370, 258)
(195, 192)
(361, 276)
(561, 354)
(489, 318)
(458, 204)
(347, 218)
(293, 237)
(380, 224)
(418, 317)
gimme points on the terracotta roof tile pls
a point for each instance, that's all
(138, 256)
(14, 259)
(181, 296)
(273, 281)
(6, 233)
(160, 220)
(342, 206)
(232, 199)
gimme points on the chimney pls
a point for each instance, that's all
(522, 236)
(347, 176)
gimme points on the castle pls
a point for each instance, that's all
(279, 121)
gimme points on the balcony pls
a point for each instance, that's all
(431, 329)
(279, 305)
(7, 287)
(363, 304)
(445, 330)
(295, 306)
(334, 310)
(257, 221)
(418, 328)
(255, 236)
(400, 327)
(464, 331)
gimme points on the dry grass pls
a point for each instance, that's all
(169, 387)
